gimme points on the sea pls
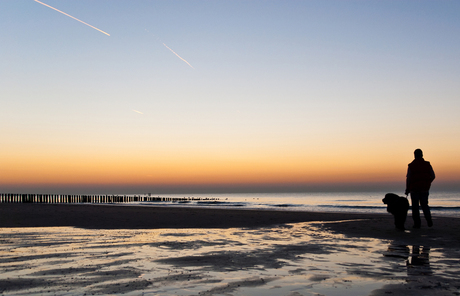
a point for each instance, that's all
(441, 203)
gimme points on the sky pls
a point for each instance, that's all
(227, 96)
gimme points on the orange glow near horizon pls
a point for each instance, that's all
(49, 166)
(198, 171)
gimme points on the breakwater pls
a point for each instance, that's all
(93, 198)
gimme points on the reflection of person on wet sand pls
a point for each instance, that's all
(419, 177)
(418, 262)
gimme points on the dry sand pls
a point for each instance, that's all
(115, 249)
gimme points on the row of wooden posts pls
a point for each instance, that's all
(77, 198)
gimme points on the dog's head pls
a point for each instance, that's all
(390, 198)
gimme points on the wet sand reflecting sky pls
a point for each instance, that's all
(298, 259)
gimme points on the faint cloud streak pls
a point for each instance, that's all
(178, 56)
(138, 111)
(72, 17)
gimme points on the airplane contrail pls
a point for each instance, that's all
(138, 111)
(72, 17)
(178, 56)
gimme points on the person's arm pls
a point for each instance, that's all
(433, 176)
(407, 182)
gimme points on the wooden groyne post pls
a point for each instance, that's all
(77, 198)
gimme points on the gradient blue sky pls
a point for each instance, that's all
(288, 93)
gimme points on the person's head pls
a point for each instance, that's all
(418, 153)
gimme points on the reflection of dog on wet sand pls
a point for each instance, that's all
(398, 206)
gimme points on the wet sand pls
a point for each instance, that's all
(113, 249)
(118, 216)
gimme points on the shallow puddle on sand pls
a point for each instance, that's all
(298, 259)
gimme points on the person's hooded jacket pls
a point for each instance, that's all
(420, 175)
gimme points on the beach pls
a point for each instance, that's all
(73, 249)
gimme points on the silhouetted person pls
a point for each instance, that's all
(420, 174)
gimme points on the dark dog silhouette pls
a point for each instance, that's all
(398, 206)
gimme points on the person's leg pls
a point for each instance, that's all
(426, 208)
(415, 199)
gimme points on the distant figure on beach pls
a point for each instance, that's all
(420, 174)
